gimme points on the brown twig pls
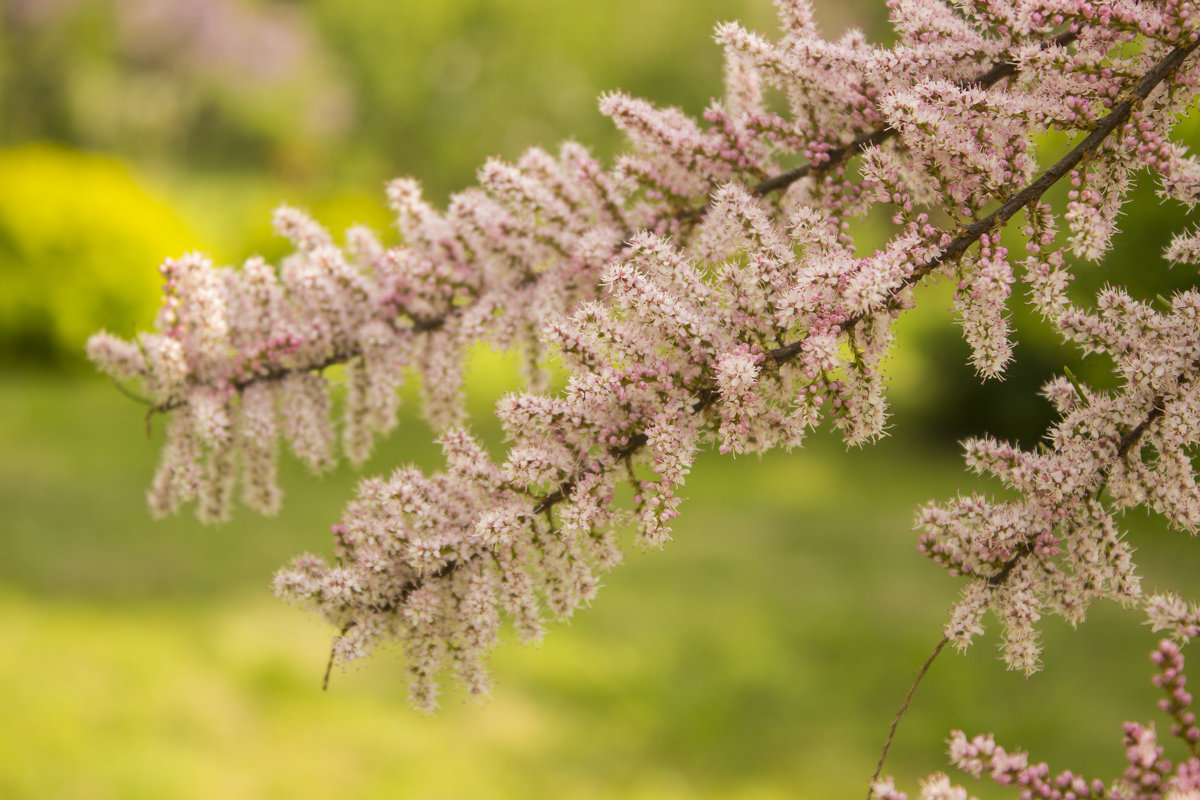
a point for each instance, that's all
(912, 690)
(333, 652)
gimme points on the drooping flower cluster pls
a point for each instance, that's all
(1148, 775)
(239, 357)
(458, 569)
(1057, 546)
(707, 290)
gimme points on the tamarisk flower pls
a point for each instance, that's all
(1057, 546)
(526, 244)
(674, 156)
(1168, 611)
(1184, 248)
(434, 560)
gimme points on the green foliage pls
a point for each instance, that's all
(442, 86)
(79, 239)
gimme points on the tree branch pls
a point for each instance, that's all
(708, 395)
(912, 690)
(993, 75)
(984, 80)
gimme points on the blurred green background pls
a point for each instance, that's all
(761, 655)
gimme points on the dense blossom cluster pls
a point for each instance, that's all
(238, 355)
(706, 290)
(1149, 774)
(1057, 546)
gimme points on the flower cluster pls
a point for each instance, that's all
(242, 357)
(708, 290)
(416, 560)
(1057, 545)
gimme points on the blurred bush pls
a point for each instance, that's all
(200, 82)
(79, 241)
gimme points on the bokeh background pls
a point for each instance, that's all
(761, 655)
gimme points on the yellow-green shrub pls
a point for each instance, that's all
(79, 239)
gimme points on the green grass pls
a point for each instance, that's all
(760, 655)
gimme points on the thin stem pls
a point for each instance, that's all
(132, 395)
(912, 690)
(332, 652)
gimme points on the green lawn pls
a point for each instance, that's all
(760, 655)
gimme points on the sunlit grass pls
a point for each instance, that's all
(762, 654)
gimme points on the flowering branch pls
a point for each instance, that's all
(1023, 551)
(1003, 68)
(707, 396)
(699, 291)
(204, 382)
